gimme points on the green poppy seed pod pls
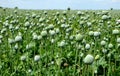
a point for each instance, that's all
(27, 24)
(104, 51)
(110, 45)
(35, 37)
(82, 54)
(30, 45)
(11, 40)
(45, 12)
(29, 71)
(36, 57)
(96, 71)
(103, 43)
(57, 30)
(23, 58)
(57, 13)
(87, 46)
(118, 45)
(115, 32)
(105, 12)
(11, 27)
(118, 21)
(62, 43)
(34, 15)
(51, 26)
(97, 57)
(52, 40)
(18, 38)
(15, 11)
(104, 17)
(64, 12)
(71, 37)
(44, 33)
(3, 30)
(91, 33)
(16, 46)
(96, 33)
(79, 37)
(108, 22)
(52, 32)
(79, 46)
(39, 37)
(118, 40)
(89, 59)
(16, 28)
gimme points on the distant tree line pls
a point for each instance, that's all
(1, 7)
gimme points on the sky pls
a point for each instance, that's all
(61, 4)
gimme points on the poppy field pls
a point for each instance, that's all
(59, 42)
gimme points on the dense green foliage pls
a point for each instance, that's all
(59, 42)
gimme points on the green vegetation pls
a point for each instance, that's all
(59, 42)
